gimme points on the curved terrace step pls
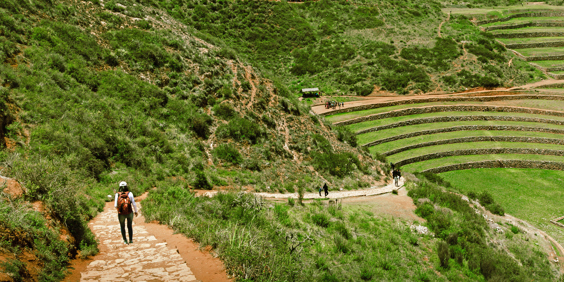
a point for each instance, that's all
(450, 108)
(499, 164)
(530, 34)
(458, 118)
(523, 15)
(538, 140)
(491, 151)
(535, 45)
(445, 99)
(522, 25)
(465, 128)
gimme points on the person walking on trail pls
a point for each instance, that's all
(326, 189)
(320, 189)
(397, 176)
(124, 201)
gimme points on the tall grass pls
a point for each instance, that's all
(263, 241)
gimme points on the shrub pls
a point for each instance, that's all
(343, 230)
(224, 111)
(342, 245)
(229, 153)
(201, 181)
(200, 124)
(345, 134)
(442, 250)
(337, 164)
(485, 198)
(496, 209)
(320, 219)
(241, 129)
(252, 164)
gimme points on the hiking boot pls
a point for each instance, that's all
(125, 242)
(130, 241)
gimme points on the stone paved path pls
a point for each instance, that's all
(147, 259)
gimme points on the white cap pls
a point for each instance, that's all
(122, 184)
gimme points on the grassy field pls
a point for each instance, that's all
(420, 166)
(471, 145)
(534, 195)
(376, 135)
(373, 123)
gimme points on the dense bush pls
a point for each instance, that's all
(345, 134)
(463, 232)
(337, 164)
(224, 111)
(229, 153)
(241, 129)
(438, 57)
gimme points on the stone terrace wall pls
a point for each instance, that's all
(500, 163)
(557, 85)
(523, 15)
(535, 45)
(465, 128)
(439, 155)
(446, 99)
(529, 34)
(459, 118)
(540, 140)
(453, 108)
(530, 24)
(545, 57)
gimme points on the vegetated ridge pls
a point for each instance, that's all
(94, 94)
(358, 47)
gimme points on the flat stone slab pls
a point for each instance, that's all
(146, 259)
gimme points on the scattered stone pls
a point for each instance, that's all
(419, 229)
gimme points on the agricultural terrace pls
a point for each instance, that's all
(535, 33)
(520, 130)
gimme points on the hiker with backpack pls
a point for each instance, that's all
(123, 203)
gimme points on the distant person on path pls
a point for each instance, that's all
(392, 165)
(326, 189)
(397, 176)
(124, 200)
(320, 189)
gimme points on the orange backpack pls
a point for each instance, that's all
(124, 203)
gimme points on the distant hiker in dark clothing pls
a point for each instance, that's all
(392, 165)
(320, 189)
(123, 203)
(397, 175)
(326, 189)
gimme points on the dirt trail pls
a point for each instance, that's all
(155, 255)
(372, 191)
(441, 25)
(320, 109)
(248, 76)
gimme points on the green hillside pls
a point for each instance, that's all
(357, 47)
(92, 95)
(178, 96)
